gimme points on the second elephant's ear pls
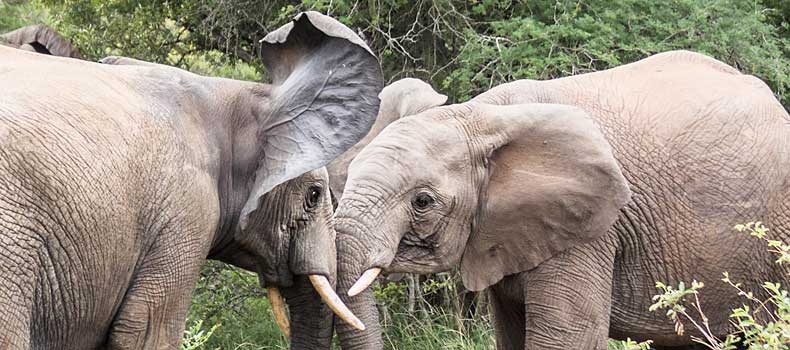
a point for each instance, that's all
(41, 39)
(409, 96)
(324, 99)
(553, 183)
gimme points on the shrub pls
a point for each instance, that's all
(771, 331)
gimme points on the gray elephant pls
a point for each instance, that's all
(117, 181)
(568, 199)
(40, 38)
(291, 237)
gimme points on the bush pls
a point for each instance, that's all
(769, 331)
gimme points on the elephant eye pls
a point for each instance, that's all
(422, 201)
(313, 197)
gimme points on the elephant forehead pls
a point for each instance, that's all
(411, 151)
(412, 139)
(315, 175)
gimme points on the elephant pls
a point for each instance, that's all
(567, 200)
(118, 181)
(405, 97)
(42, 39)
(291, 235)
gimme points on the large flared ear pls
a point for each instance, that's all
(41, 39)
(553, 183)
(324, 99)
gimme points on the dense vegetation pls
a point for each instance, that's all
(461, 47)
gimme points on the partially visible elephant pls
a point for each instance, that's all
(117, 181)
(568, 199)
(291, 237)
(402, 98)
(40, 38)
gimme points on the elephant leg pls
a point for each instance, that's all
(568, 298)
(154, 308)
(508, 316)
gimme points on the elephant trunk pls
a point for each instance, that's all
(352, 254)
(311, 319)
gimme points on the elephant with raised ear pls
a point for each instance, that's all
(40, 38)
(568, 199)
(117, 181)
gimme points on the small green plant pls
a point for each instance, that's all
(757, 229)
(769, 332)
(672, 299)
(629, 344)
(195, 337)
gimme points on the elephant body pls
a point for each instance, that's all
(100, 203)
(703, 147)
(527, 201)
(117, 181)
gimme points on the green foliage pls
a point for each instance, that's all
(233, 298)
(766, 327)
(757, 229)
(439, 330)
(549, 39)
(462, 47)
(465, 47)
(629, 344)
(671, 299)
(430, 324)
(139, 29)
(195, 337)
(16, 14)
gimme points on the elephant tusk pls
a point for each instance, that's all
(364, 281)
(328, 295)
(278, 309)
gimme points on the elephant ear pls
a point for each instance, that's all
(409, 96)
(41, 39)
(323, 99)
(553, 183)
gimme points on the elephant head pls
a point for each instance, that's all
(290, 241)
(323, 99)
(496, 189)
(42, 39)
(402, 98)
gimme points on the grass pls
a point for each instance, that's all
(231, 297)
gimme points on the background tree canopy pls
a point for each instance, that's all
(461, 47)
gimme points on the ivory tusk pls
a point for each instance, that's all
(364, 281)
(278, 309)
(328, 295)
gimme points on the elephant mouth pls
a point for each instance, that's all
(414, 253)
(325, 290)
(279, 280)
